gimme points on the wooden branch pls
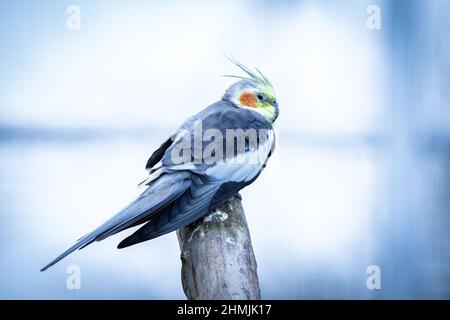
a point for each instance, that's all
(217, 256)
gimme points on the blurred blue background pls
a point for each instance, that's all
(360, 176)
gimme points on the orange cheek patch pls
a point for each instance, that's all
(249, 100)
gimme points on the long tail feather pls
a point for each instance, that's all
(162, 191)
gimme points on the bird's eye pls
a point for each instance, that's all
(275, 102)
(261, 97)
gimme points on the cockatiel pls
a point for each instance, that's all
(190, 176)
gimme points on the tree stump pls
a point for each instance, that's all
(217, 256)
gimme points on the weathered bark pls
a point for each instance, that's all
(217, 256)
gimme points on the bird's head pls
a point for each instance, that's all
(254, 92)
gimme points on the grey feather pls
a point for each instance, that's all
(189, 208)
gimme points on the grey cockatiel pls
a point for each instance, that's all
(190, 176)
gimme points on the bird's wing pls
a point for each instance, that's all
(159, 153)
(207, 191)
(186, 128)
(220, 116)
(211, 185)
(160, 193)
